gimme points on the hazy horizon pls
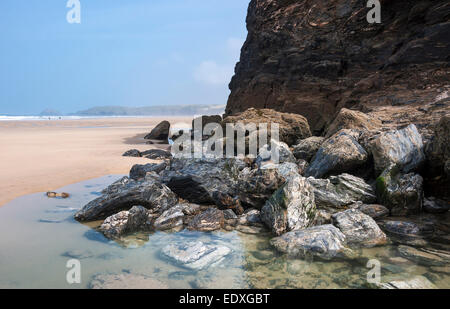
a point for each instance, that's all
(122, 54)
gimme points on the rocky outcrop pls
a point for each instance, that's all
(126, 222)
(402, 194)
(292, 127)
(196, 255)
(341, 153)
(325, 241)
(402, 148)
(307, 148)
(132, 153)
(156, 154)
(359, 229)
(291, 208)
(126, 193)
(160, 132)
(315, 57)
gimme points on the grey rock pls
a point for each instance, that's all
(210, 220)
(156, 154)
(126, 193)
(255, 187)
(125, 222)
(403, 148)
(170, 219)
(196, 255)
(359, 229)
(229, 214)
(291, 208)
(340, 191)
(287, 170)
(132, 153)
(250, 217)
(139, 171)
(160, 132)
(325, 241)
(307, 148)
(341, 153)
(402, 194)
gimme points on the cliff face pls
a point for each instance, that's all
(313, 57)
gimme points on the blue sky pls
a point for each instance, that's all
(130, 53)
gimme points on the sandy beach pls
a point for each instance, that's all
(40, 156)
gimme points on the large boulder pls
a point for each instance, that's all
(307, 148)
(205, 181)
(210, 220)
(359, 229)
(403, 148)
(126, 222)
(292, 207)
(337, 192)
(292, 126)
(402, 194)
(354, 120)
(138, 171)
(341, 153)
(160, 132)
(195, 255)
(256, 186)
(126, 193)
(325, 241)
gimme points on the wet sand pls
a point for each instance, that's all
(40, 156)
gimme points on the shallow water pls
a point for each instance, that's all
(36, 232)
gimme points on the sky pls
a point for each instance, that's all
(127, 53)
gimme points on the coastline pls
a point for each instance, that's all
(40, 156)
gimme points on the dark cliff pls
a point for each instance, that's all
(313, 57)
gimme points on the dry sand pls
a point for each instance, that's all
(41, 156)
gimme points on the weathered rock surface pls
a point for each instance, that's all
(208, 221)
(125, 281)
(306, 57)
(438, 150)
(292, 126)
(403, 148)
(340, 191)
(423, 256)
(205, 181)
(359, 229)
(419, 282)
(156, 154)
(325, 241)
(196, 255)
(138, 171)
(435, 206)
(250, 217)
(126, 222)
(307, 148)
(170, 219)
(402, 194)
(341, 153)
(374, 210)
(255, 187)
(126, 193)
(292, 207)
(160, 132)
(205, 120)
(132, 153)
(354, 120)
(287, 170)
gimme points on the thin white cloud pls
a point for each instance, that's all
(211, 73)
